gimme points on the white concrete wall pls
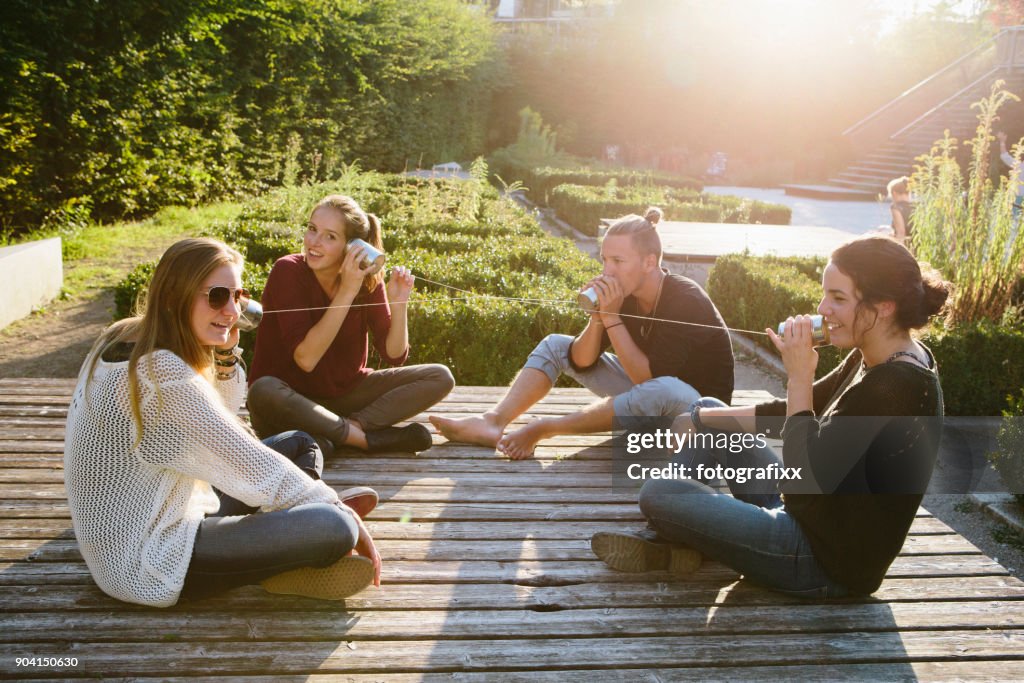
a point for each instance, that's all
(31, 274)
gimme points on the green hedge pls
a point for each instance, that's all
(583, 206)
(461, 234)
(753, 293)
(981, 365)
(542, 181)
(117, 108)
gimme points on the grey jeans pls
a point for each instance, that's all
(238, 546)
(381, 399)
(657, 397)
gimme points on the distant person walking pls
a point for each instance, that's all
(902, 209)
(1014, 165)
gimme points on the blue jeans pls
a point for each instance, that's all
(749, 531)
(657, 397)
(238, 546)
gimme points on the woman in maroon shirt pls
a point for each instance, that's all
(309, 370)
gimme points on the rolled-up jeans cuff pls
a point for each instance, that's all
(545, 365)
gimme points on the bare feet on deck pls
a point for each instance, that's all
(479, 429)
(519, 444)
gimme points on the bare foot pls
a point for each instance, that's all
(519, 445)
(479, 429)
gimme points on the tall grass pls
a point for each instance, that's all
(964, 225)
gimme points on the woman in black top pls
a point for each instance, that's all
(864, 439)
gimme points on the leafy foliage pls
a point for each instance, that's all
(1008, 459)
(965, 225)
(124, 106)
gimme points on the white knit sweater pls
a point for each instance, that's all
(136, 509)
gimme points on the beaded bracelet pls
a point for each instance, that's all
(226, 352)
(227, 375)
(226, 363)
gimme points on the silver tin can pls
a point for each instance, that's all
(373, 258)
(587, 299)
(819, 331)
(251, 315)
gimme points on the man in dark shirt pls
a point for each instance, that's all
(670, 345)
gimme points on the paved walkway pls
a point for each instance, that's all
(850, 217)
(707, 241)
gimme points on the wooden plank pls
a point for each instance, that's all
(150, 626)
(340, 654)
(527, 572)
(398, 511)
(506, 550)
(950, 670)
(58, 529)
(80, 593)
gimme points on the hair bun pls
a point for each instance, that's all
(653, 214)
(935, 293)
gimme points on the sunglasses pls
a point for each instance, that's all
(218, 297)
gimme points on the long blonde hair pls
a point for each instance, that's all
(164, 319)
(358, 223)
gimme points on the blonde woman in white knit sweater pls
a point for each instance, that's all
(152, 429)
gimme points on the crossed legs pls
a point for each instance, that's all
(657, 397)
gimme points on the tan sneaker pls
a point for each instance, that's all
(346, 577)
(641, 552)
(362, 499)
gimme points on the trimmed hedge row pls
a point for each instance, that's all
(981, 365)
(583, 206)
(459, 233)
(753, 293)
(542, 181)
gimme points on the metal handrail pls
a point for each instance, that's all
(894, 102)
(944, 102)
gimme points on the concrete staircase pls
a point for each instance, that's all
(888, 141)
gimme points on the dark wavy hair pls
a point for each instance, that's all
(882, 269)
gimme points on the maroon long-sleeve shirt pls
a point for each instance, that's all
(292, 285)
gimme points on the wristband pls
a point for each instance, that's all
(695, 417)
(226, 363)
(226, 352)
(615, 325)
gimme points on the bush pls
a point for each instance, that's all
(584, 206)
(1008, 461)
(753, 293)
(980, 365)
(542, 181)
(132, 106)
(452, 234)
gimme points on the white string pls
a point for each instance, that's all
(476, 295)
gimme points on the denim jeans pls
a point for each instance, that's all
(657, 397)
(238, 546)
(749, 531)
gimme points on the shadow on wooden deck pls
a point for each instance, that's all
(488, 574)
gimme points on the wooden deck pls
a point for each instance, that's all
(487, 575)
